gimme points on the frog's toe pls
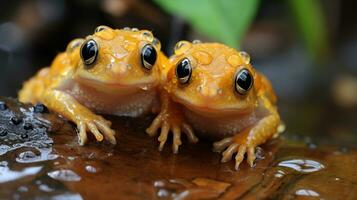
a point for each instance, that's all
(227, 154)
(177, 139)
(93, 128)
(98, 127)
(230, 147)
(187, 129)
(109, 134)
(240, 155)
(175, 127)
(154, 126)
(222, 144)
(163, 135)
(82, 134)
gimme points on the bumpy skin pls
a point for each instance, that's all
(115, 84)
(211, 105)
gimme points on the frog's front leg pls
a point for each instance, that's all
(247, 140)
(170, 118)
(85, 120)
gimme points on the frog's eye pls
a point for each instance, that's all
(89, 52)
(243, 81)
(148, 56)
(184, 71)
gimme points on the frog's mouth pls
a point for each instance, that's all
(117, 87)
(208, 110)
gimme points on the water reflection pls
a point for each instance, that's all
(64, 175)
(302, 165)
(307, 193)
(7, 175)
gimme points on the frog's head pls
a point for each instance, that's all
(116, 59)
(211, 78)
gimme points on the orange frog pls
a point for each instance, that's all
(110, 72)
(215, 90)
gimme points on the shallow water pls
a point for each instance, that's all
(54, 166)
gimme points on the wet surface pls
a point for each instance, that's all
(48, 163)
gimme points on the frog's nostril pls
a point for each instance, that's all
(210, 92)
(121, 69)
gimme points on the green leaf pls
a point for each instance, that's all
(312, 25)
(223, 20)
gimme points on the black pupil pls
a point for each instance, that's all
(89, 51)
(149, 56)
(244, 80)
(183, 69)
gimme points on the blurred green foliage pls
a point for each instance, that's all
(228, 20)
(311, 23)
(224, 20)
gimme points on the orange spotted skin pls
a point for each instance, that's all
(116, 83)
(210, 104)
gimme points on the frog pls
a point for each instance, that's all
(213, 89)
(112, 72)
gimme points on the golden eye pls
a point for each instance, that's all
(148, 56)
(89, 52)
(184, 71)
(243, 81)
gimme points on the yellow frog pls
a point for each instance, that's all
(215, 90)
(110, 72)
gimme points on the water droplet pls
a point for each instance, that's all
(28, 126)
(234, 60)
(4, 149)
(311, 145)
(279, 174)
(26, 157)
(156, 43)
(159, 183)
(40, 108)
(196, 41)
(74, 44)
(3, 105)
(127, 29)
(181, 47)
(147, 35)
(3, 131)
(145, 87)
(302, 165)
(106, 34)
(16, 120)
(22, 189)
(135, 29)
(91, 169)
(129, 46)
(202, 57)
(199, 88)
(245, 57)
(307, 193)
(24, 136)
(101, 28)
(45, 188)
(162, 193)
(71, 157)
(64, 175)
